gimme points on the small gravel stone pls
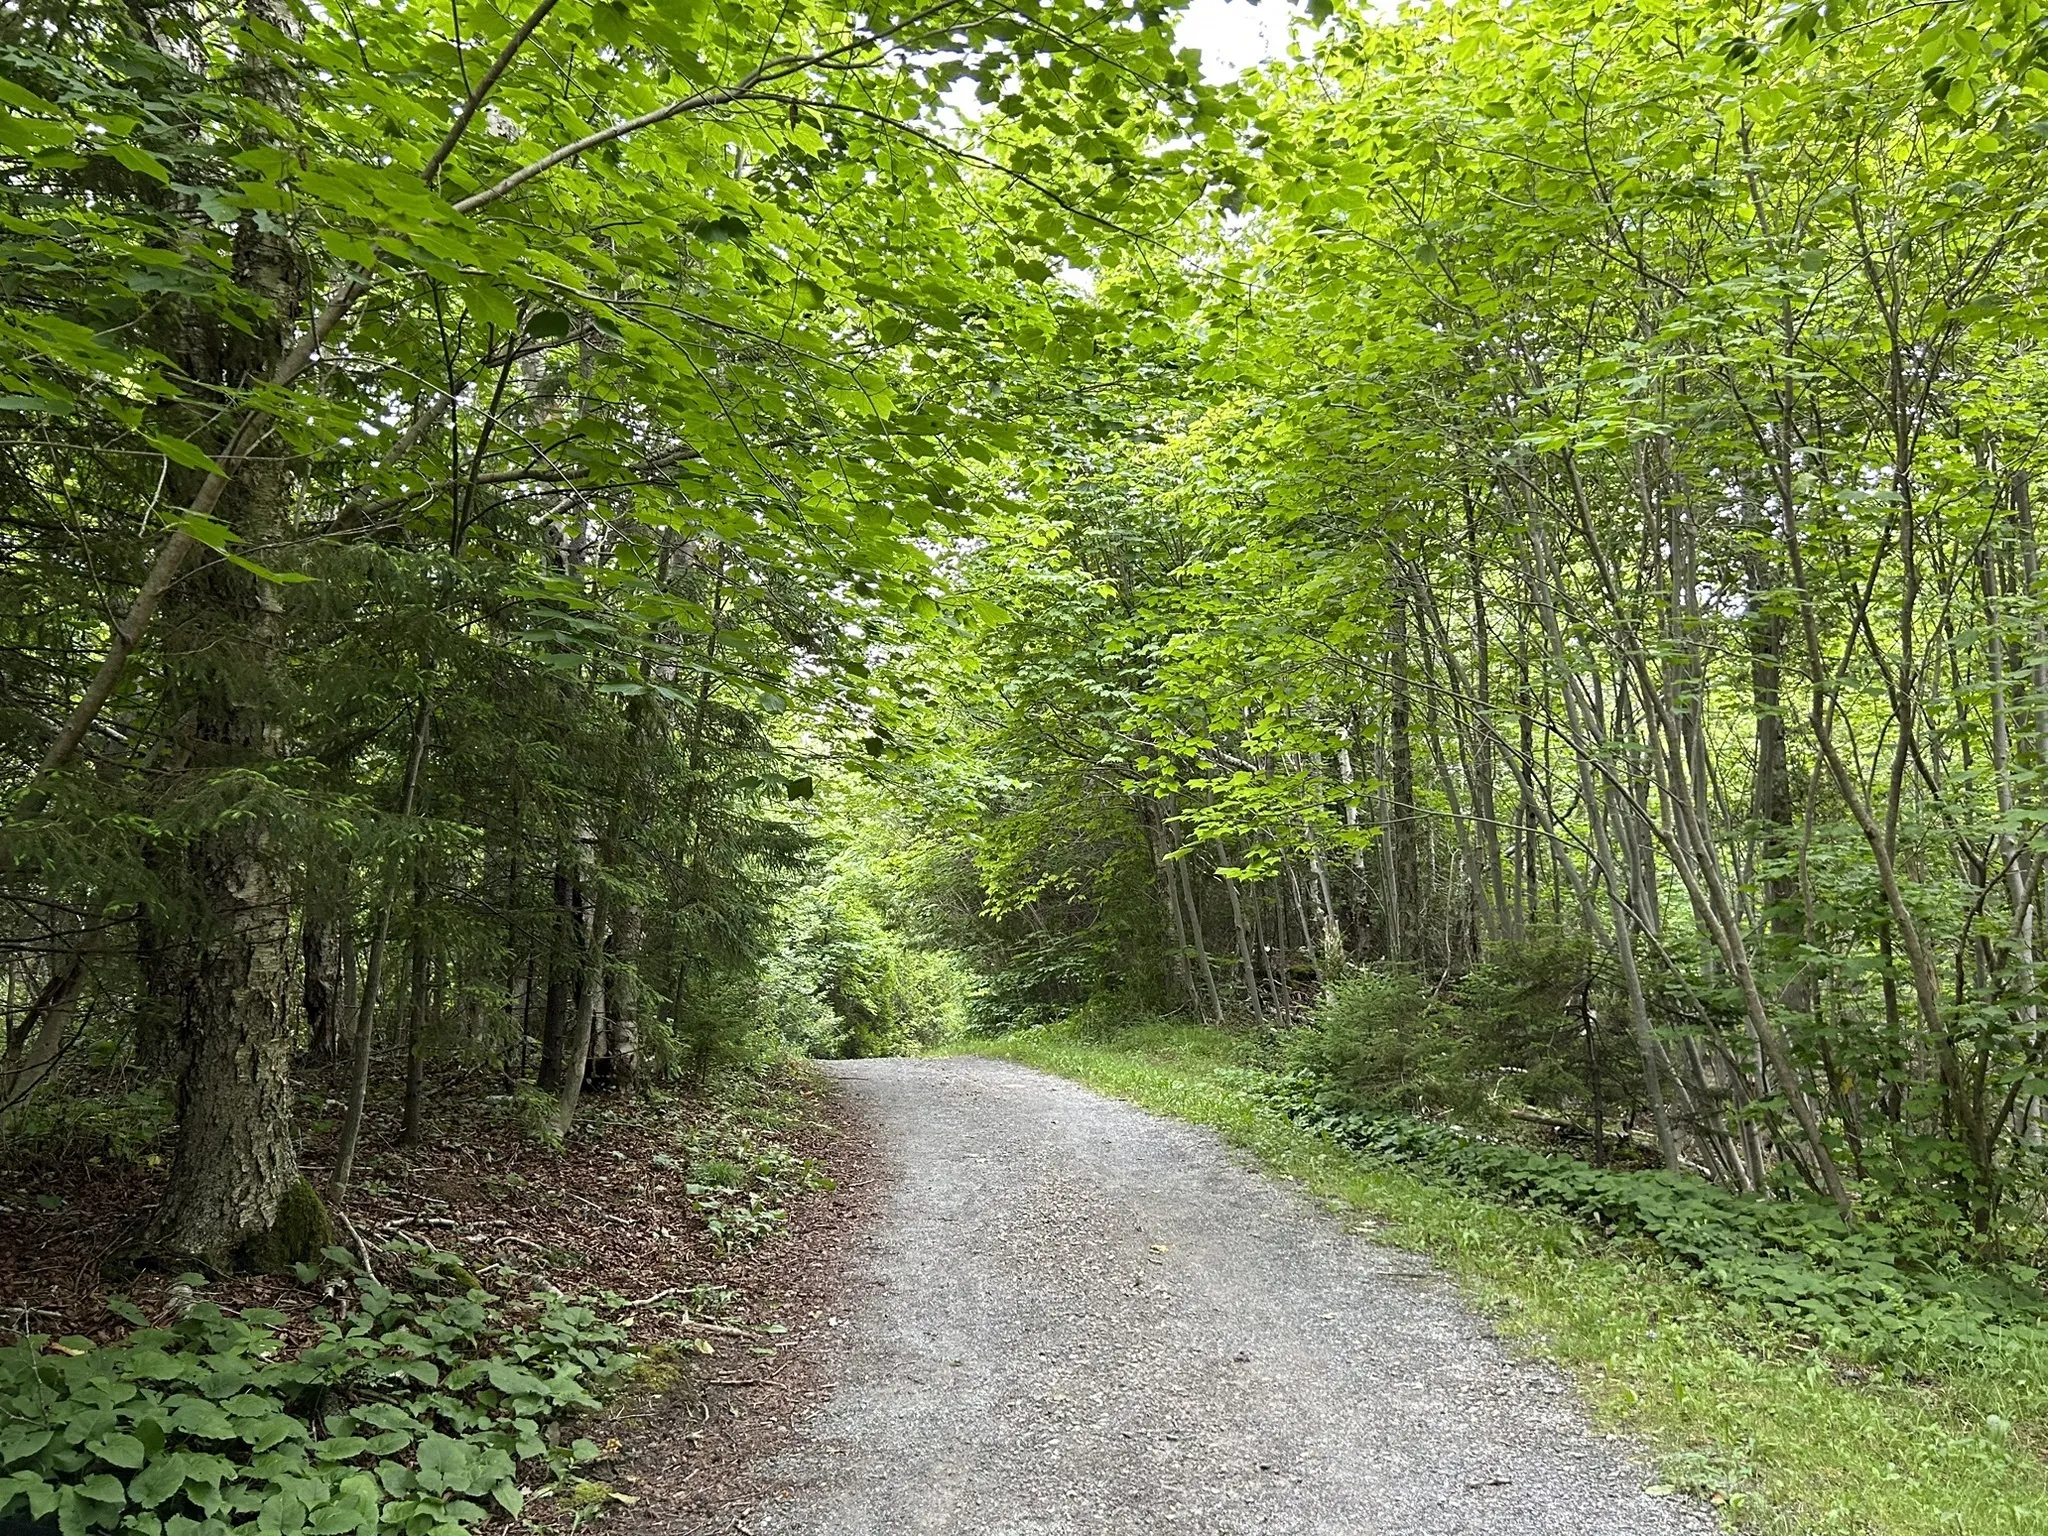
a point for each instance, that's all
(1079, 1317)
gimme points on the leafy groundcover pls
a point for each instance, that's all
(1871, 1293)
(420, 1408)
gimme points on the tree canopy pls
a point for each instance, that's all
(1572, 546)
(566, 537)
(448, 446)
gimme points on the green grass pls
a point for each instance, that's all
(1774, 1432)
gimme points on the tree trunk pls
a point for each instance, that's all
(1404, 821)
(577, 1055)
(1470, 923)
(1309, 923)
(1525, 810)
(411, 1123)
(556, 1013)
(35, 1046)
(1168, 893)
(1208, 972)
(1354, 816)
(1479, 752)
(1283, 966)
(234, 1195)
(1695, 856)
(1244, 949)
(350, 983)
(625, 999)
(1589, 1021)
(318, 986)
(373, 978)
(1773, 793)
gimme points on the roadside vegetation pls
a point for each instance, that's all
(1553, 643)
(442, 1366)
(1749, 1409)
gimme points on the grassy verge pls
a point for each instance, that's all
(1776, 1433)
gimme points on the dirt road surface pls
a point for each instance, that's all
(1073, 1316)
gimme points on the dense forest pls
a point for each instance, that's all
(1573, 555)
(447, 450)
(555, 549)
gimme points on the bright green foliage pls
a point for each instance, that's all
(863, 965)
(1529, 509)
(843, 982)
(1030, 854)
(451, 446)
(1870, 1294)
(411, 1411)
(1583, 502)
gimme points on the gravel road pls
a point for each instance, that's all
(1073, 1316)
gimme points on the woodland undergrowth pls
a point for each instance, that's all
(402, 1384)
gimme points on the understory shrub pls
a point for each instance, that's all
(412, 1410)
(1877, 1294)
(1382, 1043)
(67, 1126)
(1538, 1025)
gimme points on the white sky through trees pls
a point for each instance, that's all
(1234, 35)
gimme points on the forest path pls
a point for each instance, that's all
(1074, 1316)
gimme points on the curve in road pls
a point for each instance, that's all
(1073, 1316)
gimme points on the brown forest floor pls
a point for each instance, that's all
(609, 1213)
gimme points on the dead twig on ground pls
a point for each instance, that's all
(361, 1247)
